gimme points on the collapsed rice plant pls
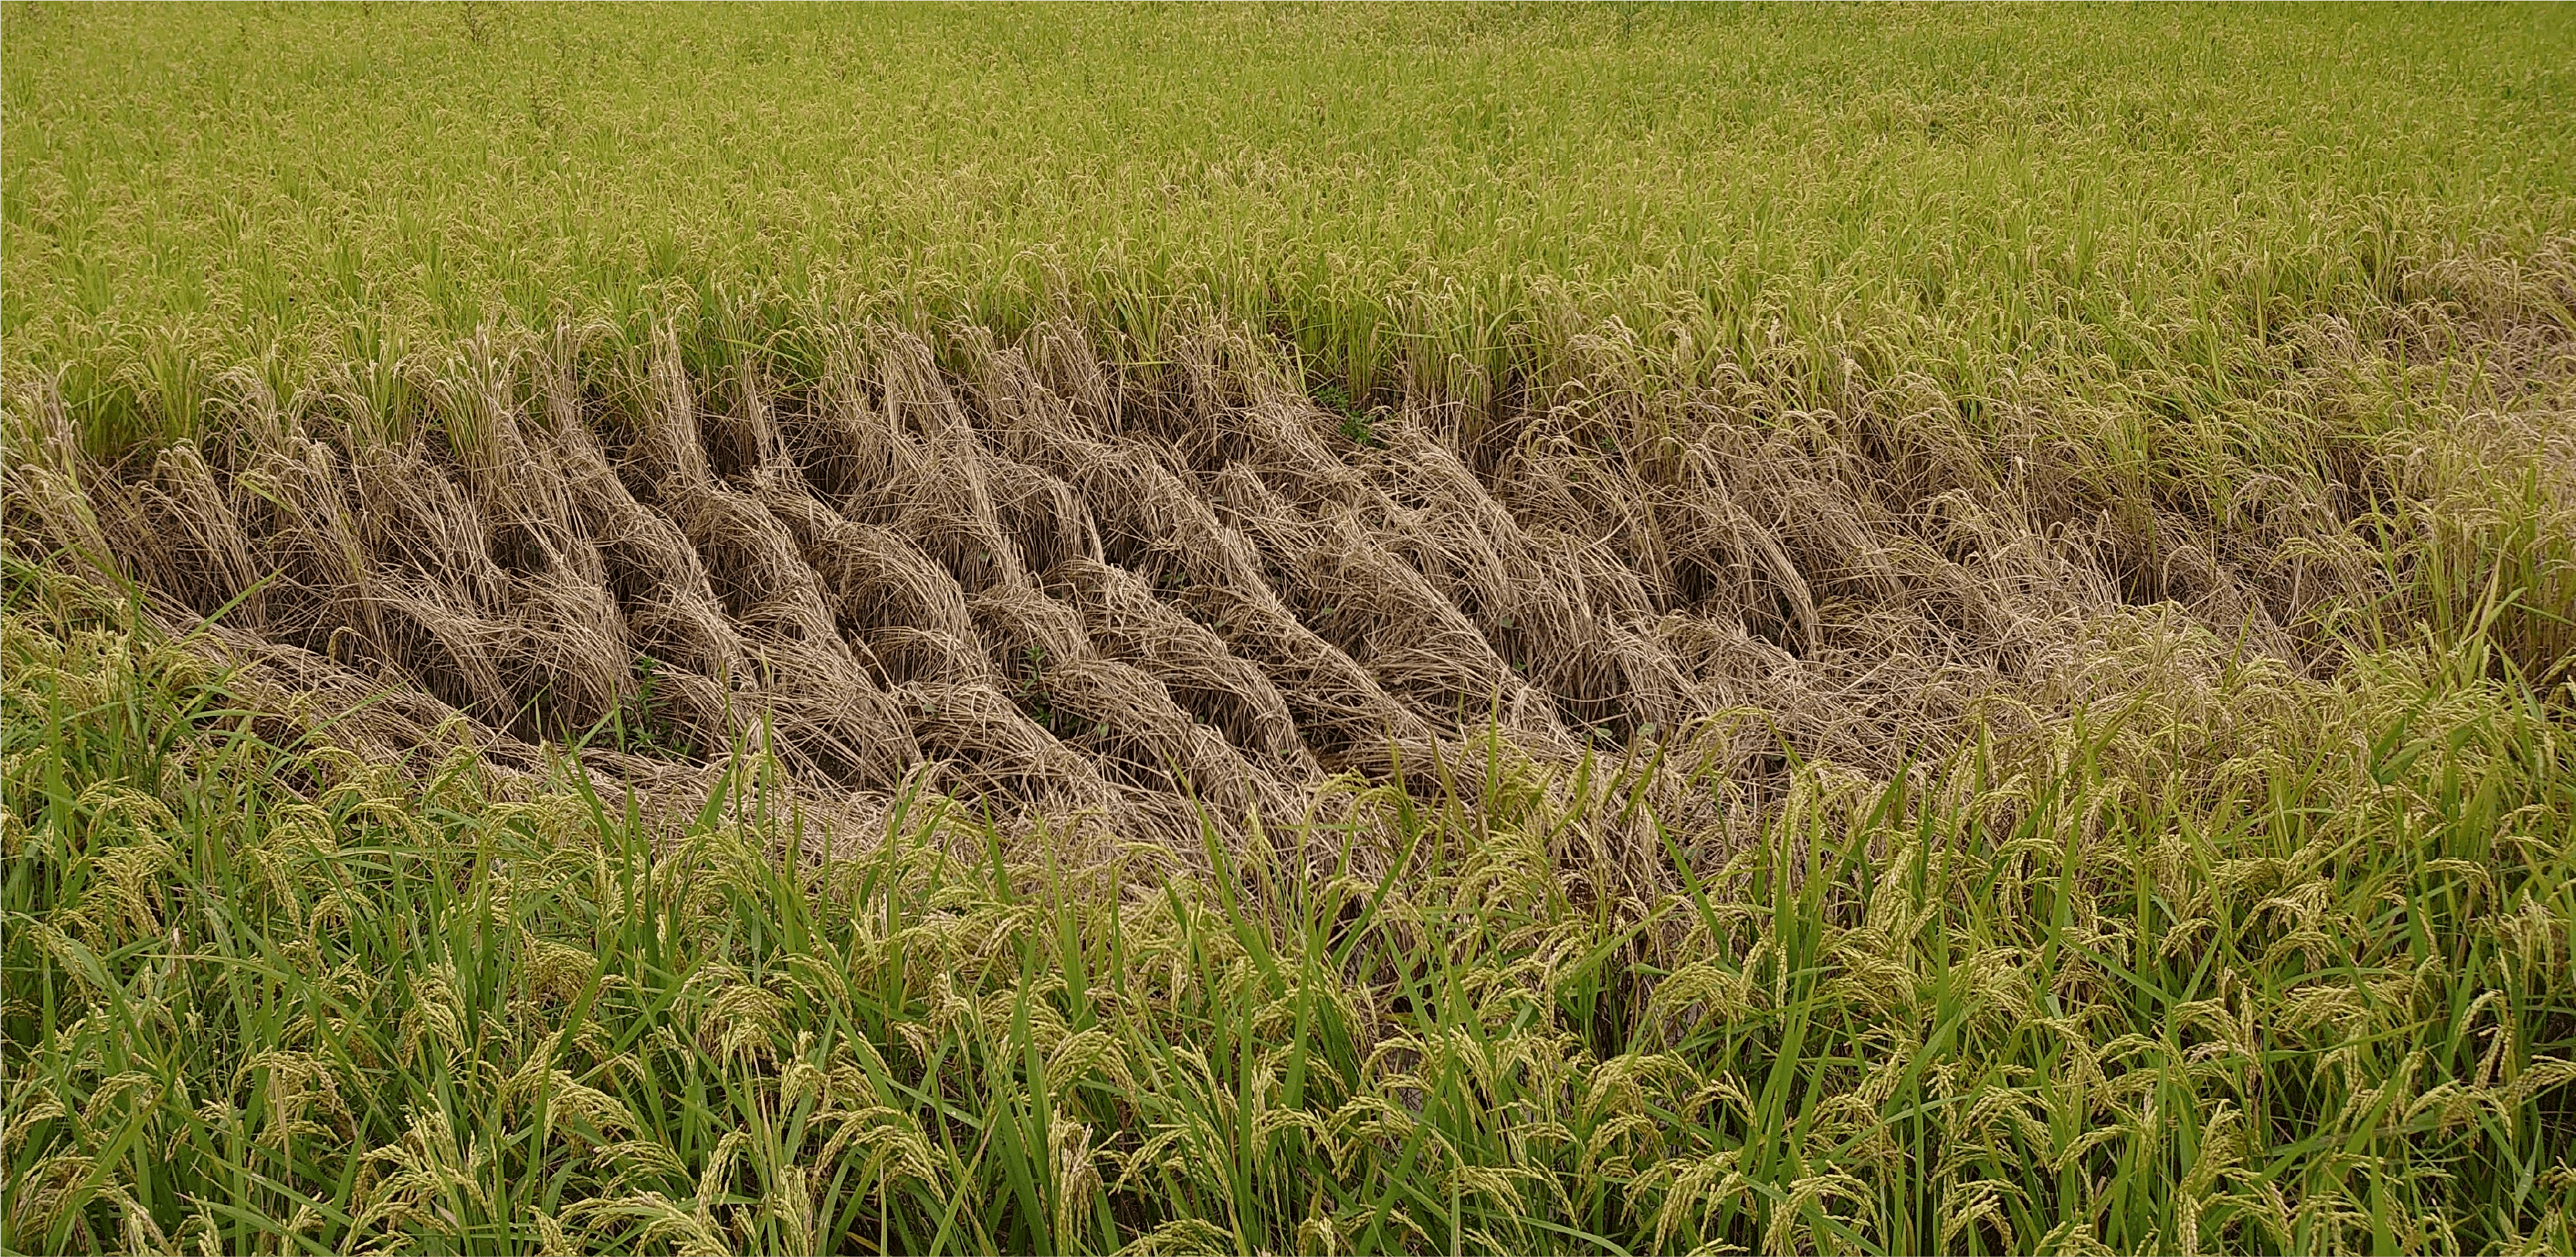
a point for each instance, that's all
(1074, 590)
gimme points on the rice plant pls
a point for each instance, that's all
(2156, 982)
(1622, 630)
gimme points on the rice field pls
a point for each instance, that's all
(1589, 629)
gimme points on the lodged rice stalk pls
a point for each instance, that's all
(1130, 599)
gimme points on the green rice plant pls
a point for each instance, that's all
(2284, 970)
(2108, 207)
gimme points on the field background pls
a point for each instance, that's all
(1971, 193)
(2230, 953)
